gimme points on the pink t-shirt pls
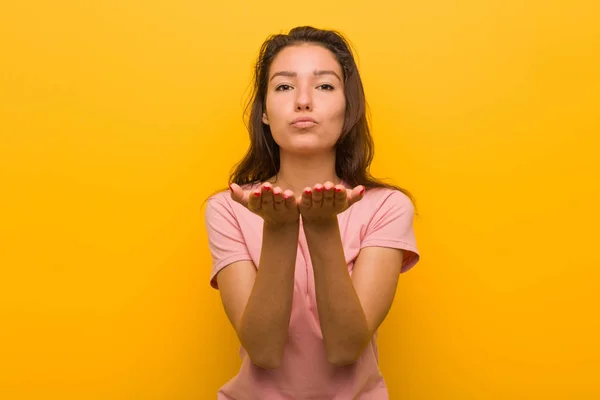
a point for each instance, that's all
(382, 218)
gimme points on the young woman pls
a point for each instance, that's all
(307, 247)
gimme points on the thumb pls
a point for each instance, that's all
(238, 195)
(355, 194)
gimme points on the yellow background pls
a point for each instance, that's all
(118, 118)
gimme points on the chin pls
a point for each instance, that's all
(305, 149)
(306, 143)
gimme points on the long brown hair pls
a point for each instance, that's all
(354, 149)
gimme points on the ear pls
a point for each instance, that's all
(265, 119)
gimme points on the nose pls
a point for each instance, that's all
(303, 100)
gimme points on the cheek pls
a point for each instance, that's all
(339, 112)
(342, 112)
(335, 123)
(340, 104)
(273, 110)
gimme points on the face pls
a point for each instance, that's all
(305, 103)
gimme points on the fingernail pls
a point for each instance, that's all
(267, 188)
(362, 191)
(337, 189)
(308, 191)
(318, 189)
(256, 194)
(230, 188)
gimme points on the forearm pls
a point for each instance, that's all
(343, 322)
(264, 323)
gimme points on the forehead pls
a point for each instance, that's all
(305, 58)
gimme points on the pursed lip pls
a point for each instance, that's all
(303, 119)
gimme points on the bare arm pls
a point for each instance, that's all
(259, 303)
(343, 321)
(350, 308)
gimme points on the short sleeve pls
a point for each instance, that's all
(392, 226)
(225, 238)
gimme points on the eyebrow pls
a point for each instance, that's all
(316, 72)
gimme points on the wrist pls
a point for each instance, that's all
(320, 223)
(281, 226)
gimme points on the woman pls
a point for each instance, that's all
(307, 247)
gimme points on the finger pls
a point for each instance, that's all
(278, 201)
(340, 196)
(289, 199)
(254, 200)
(267, 195)
(356, 195)
(328, 193)
(307, 200)
(317, 195)
(238, 195)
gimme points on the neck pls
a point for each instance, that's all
(299, 171)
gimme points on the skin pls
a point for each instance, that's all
(305, 81)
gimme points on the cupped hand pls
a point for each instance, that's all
(325, 202)
(274, 205)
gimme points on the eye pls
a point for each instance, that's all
(283, 87)
(326, 86)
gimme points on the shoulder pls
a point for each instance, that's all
(380, 206)
(221, 205)
(379, 198)
(218, 200)
(223, 198)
